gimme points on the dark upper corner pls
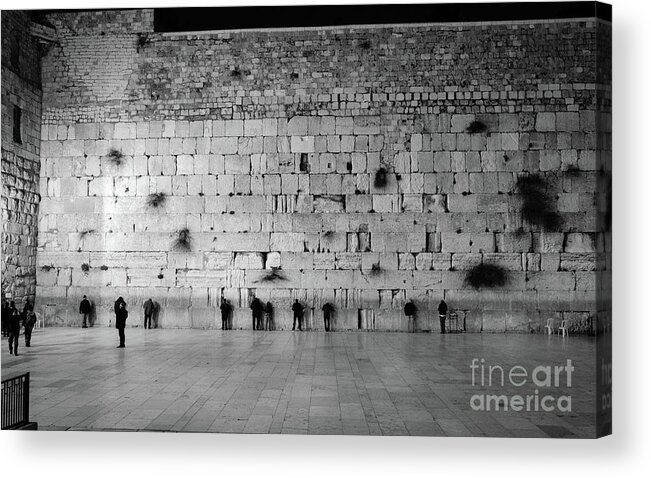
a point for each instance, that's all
(231, 18)
(225, 18)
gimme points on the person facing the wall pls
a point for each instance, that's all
(30, 322)
(121, 315)
(328, 309)
(13, 328)
(268, 316)
(84, 310)
(148, 307)
(410, 312)
(297, 309)
(6, 315)
(28, 307)
(256, 313)
(226, 312)
(443, 312)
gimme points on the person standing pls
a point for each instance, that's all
(121, 315)
(28, 307)
(443, 312)
(297, 308)
(226, 312)
(148, 306)
(30, 322)
(268, 316)
(6, 315)
(328, 310)
(256, 313)
(13, 328)
(84, 309)
(410, 312)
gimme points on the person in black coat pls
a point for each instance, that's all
(297, 309)
(13, 328)
(328, 310)
(6, 315)
(148, 307)
(30, 322)
(257, 310)
(410, 312)
(268, 316)
(443, 312)
(84, 309)
(121, 315)
(28, 307)
(226, 312)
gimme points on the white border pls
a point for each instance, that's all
(72, 454)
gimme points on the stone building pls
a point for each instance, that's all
(365, 166)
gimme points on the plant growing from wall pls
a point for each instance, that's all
(156, 200)
(82, 236)
(484, 276)
(115, 156)
(47, 267)
(183, 240)
(572, 170)
(380, 179)
(143, 41)
(274, 275)
(476, 127)
(237, 72)
(85, 267)
(375, 269)
(538, 206)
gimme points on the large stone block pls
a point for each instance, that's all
(579, 261)
(560, 281)
(201, 278)
(302, 144)
(284, 241)
(568, 121)
(455, 242)
(513, 242)
(580, 243)
(224, 145)
(249, 260)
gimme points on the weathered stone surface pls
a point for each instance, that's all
(285, 176)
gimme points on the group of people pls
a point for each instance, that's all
(410, 312)
(12, 319)
(121, 315)
(262, 315)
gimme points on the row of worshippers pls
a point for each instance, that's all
(262, 315)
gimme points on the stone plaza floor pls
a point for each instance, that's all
(243, 381)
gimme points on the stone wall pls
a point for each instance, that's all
(20, 160)
(267, 145)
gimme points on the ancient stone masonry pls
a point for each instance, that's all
(360, 166)
(21, 135)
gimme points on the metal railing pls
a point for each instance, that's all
(15, 401)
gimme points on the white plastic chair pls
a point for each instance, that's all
(564, 328)
(39, 321)
(550, 326)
